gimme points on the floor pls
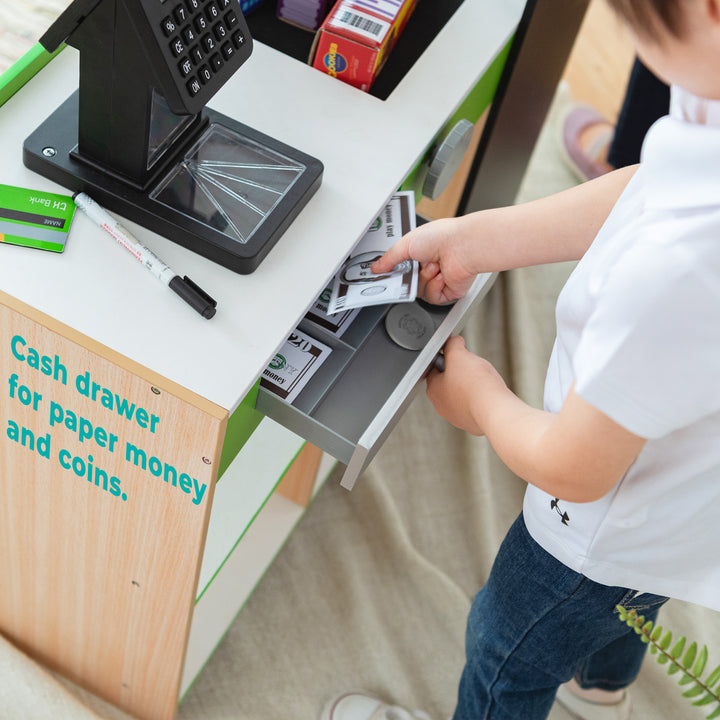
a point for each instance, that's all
(599, 64)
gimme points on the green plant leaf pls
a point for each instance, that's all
(663, 659)
(713, 677)
(672, 669)
(667, 639)
(693, 691)
(715, 713)
(690, 655)
(686, 679)
(701, 661)
(705, 700)
(678, 648)
(656, 633)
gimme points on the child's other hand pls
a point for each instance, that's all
(444, 273)
(462, 392)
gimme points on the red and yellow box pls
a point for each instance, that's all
(356, 38)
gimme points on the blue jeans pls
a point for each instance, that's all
(535, 625)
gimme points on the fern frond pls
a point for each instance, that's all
(678, 659)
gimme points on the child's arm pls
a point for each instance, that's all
(453, 251)
(577, 455)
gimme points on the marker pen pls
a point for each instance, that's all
(184, 287)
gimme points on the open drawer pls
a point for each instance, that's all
(355, 399)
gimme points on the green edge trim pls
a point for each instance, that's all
(471, 109)
(222, 637)
(240, 426)
(247, 527)
(24, 69)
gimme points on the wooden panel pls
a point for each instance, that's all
(299, 480)
(103, 511)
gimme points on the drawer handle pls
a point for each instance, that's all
(447, 158)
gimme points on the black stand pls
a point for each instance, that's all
(129, 139)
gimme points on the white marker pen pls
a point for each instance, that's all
(184, 287)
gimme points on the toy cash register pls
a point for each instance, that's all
(137, 136)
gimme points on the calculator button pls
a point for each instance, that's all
(217, 62)
(208, 43)
(204, 74)
(185, 67)
(194, 86)
(197, 55)
(231, 19)
(224, 4)
(192, 5)
(177, 47)
(168, 26)
(238, 39)
(212, 12)
(227, 50)
(180, 15)
(220, 32)
(201, 24)
(188, 35)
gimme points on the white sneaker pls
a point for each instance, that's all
(362, 706)
(587, 710)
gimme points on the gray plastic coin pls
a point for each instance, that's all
(409, 326)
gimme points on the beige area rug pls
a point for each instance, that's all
(372, 589)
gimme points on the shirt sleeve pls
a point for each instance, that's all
(649, 355)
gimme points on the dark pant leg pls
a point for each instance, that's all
(528, 631)
(647, 99)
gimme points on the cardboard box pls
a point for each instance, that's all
(357, 37)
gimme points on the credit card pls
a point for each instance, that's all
(35, 219)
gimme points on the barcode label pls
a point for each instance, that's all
(362, 24)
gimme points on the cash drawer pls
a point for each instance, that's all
(355, 399)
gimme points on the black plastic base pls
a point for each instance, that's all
(51, 151)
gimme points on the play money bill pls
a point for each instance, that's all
(356, 285)
(293, 365)
(336, 324)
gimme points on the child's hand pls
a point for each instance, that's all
(462, 392)
(444, 273)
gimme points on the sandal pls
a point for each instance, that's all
(587, 160)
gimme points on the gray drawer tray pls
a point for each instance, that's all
(355, 399)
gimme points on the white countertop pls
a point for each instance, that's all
(367, 147)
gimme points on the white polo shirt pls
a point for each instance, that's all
(638, 332)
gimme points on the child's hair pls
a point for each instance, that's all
(647, 16)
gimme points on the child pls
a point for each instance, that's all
(623, 464)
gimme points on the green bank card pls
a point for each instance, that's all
(35, 219)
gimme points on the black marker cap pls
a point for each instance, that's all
(194, 296)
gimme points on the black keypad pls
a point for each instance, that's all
(180, 15)
(197, 55)
(205, 75)
(227, 50)
(203, 36)
(177, 47)
(185, 67)
(168, 26)
(194, 86)
(211, 11)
